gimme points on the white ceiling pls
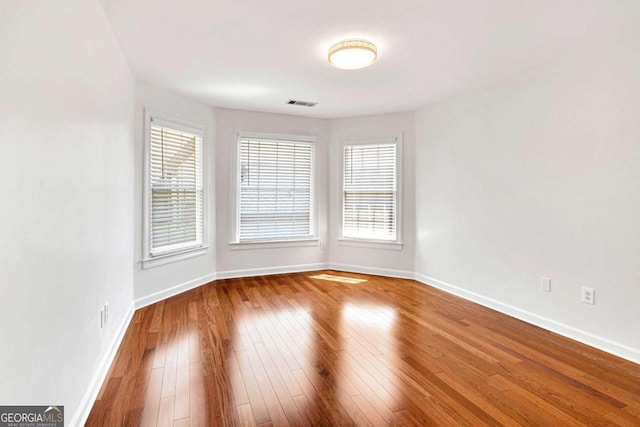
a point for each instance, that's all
(258, 54)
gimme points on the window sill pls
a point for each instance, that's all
(173, 257)
(272, 244)
(370, 244)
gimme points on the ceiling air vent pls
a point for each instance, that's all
(302, 103)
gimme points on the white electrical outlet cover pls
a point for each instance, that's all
(588, 295)
(545, 284)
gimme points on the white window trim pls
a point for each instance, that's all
(234, 239)
(372, 243)
(159, 260)
(179, 253)
(271, 244)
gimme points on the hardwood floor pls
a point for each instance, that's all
(339, 349)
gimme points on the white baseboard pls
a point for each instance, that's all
(84, 409)
(400, 274)
(173, 291)
(576, 334)
(233, 274)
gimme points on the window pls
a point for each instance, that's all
(175, 188)
(275, 188)
(370, 191)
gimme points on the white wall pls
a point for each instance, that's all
(67, 198)
(232, 262)
(374, 260)
(541, 180)
(154, 283)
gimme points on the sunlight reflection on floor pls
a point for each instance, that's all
(341, 279)
(378, 316)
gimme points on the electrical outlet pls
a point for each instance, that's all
(102, 319)
(323, 246)
(588, 295)
(545, 284)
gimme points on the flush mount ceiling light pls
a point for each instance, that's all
(352, 54)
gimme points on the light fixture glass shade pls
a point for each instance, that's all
(352, 54)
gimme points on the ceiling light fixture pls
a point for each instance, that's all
(353, 54)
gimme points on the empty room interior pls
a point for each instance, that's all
(331, 213)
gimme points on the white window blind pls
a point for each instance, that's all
(370, 192)
(275, 189)
(176, 189)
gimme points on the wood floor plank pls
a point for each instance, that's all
(252, 389)
(170, 366)
(329, 348)
(245, 415)
(165, 414)
(285, 398)
(182, 396)
(151, 406)
(238, 388)
(370, 412)
(197, 403)
(182, 422)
